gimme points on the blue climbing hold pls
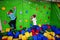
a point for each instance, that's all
(26, 11)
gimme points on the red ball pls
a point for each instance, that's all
(4, 39)
(40, 28)
(33, 32)
(49, 27)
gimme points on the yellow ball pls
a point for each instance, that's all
(3, 8)
(39, 25)
(2, 31)
(10, 38)
(20, 36)
(7, 29)
(27, 34)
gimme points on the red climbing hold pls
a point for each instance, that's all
(36, 8)
(44, 6)
(5, 22)
(20, 26)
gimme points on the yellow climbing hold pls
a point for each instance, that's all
(3, 8)
(26, 20)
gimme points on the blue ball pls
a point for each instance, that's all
(35, 37)
(23, 32)
(17, 34)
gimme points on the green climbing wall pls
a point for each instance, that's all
(55, 15)
(25, 9)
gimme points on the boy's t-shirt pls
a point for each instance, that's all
(34, 21)
(12, 16)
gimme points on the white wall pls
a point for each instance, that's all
(54, 0)
(0, 25)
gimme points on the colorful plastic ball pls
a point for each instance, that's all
(3, 8)
(35, 37)
(10, 33)
(44, 27)
(39, 25)
(17, 34)
(22, 32)
(33, 33)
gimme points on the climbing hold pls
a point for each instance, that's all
(46, 12)
(21, 26)
(31, 25)
(26, 20)
(20, 12)
(26, 11)
(20, 20)
(5, 22)
(3, 8)
(29, 2)
(40, 20)
(44, 6)
(45, 20)
(36, 8)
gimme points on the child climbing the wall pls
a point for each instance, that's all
(33, 18)
(12, 16)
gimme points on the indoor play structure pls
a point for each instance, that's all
(47, 15)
